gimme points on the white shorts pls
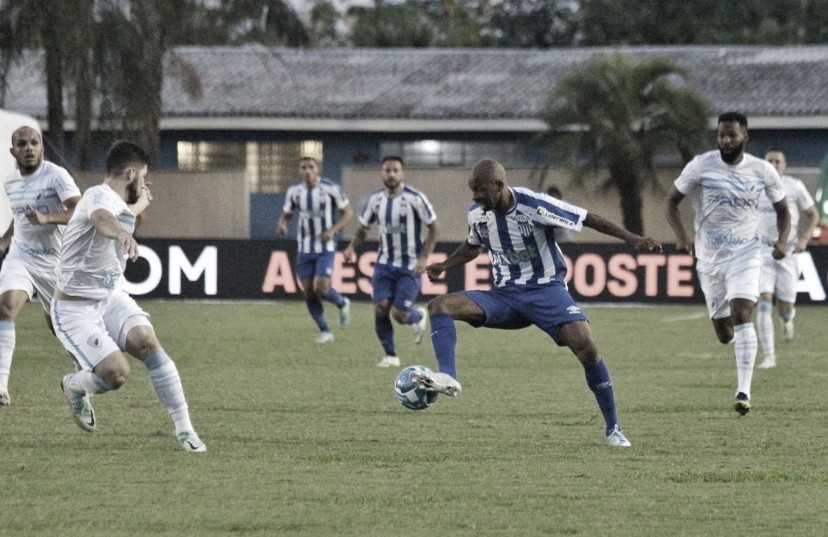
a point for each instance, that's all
(779, 276)
(738, 278)
(93, 329)
(16, 276)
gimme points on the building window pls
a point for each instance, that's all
(452, 153)
(268, 166)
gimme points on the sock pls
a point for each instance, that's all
(167, 384)
(444, 340)
(88, 382)
(414, 316)
(7, 342)
(334, 297)
(317, 312)
(788, 317)
(385, 333)
(598, 380)
(744, 347)
(764, 328)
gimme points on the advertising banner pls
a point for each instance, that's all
(238, 269)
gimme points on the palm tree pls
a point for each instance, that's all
(619, 114)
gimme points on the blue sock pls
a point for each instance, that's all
(334, 297)
(317, 312)
(385, 333)
(444, 340)
(598, 380)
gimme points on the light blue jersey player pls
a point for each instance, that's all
(317, 201)
(725, 187)
(516, 226)
(407, 228)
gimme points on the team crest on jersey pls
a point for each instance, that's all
(482, 230)
(573, 310)
(94, 341)
(525, 230)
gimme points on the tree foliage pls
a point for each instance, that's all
(619, 115)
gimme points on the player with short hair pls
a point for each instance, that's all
(94, 317)
(517, 227)
(315, 199)
(42, 197)
(725, 186)
(400, 213)
(779, 276)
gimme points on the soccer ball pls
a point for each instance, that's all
(409, 394)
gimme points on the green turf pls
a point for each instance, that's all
(308, 440)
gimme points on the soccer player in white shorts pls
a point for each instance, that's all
(725, 187)
(779, 277)
(42, 197)
(93, 316)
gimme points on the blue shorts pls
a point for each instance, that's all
(547, 306)
(310, 265)
(397, 283)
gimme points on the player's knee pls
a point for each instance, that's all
(439, 305)
(399, 315)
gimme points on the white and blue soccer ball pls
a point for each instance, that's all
(409, 394)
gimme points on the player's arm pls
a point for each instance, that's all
(60, 217)
(673, 214)
(810, 217)
(284, 221)
(107, 225)
(463, 254)
(346, 214)
(783, 226)
(428, 246)
(5, 240)
(356, 243)
(601, 224)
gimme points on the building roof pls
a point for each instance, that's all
(255, 87)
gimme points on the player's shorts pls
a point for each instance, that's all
(547, 306)
(397, 283)
(779, 276)
(93, 329)
(16, 276)
(738, 278)
(310, 265)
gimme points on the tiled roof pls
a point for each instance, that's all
(448, 84)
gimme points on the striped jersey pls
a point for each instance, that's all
(521, 242)
(726, 202)
(46, 189)
(316, 208)
(400, 220)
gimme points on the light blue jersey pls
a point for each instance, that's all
(400, 220)
(316, 208)
(521, 243)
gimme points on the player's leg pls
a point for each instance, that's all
(383, 287)
(764, 330)
(788, 269)
(305, 269)
(136, 335)
(323, 271)
(11, 302)
(745, 346)
(403, 310)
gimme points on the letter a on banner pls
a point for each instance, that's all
(279, 274)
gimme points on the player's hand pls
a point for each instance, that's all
(282, 228)
(647, 244)
(350, 254)
(685, 245)
(35, 217)
(326, 235)
(129, 246)
(420, 266)
(778, 250)
(435, 271)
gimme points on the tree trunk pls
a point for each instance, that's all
(629, 186)
(55, 149)
(83, 85)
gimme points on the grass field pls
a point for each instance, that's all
(307, 440)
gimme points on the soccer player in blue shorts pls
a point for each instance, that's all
(516, 226)
(400, 212)
(316, 199)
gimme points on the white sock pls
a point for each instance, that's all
(744, 346)
(88, 382)
(764, 329)
(167, 384)
(7, 342)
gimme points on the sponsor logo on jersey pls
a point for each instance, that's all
(511, 257)
(573, 310)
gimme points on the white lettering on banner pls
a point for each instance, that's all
(809, 281)
(206, 264)
(156, 272)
